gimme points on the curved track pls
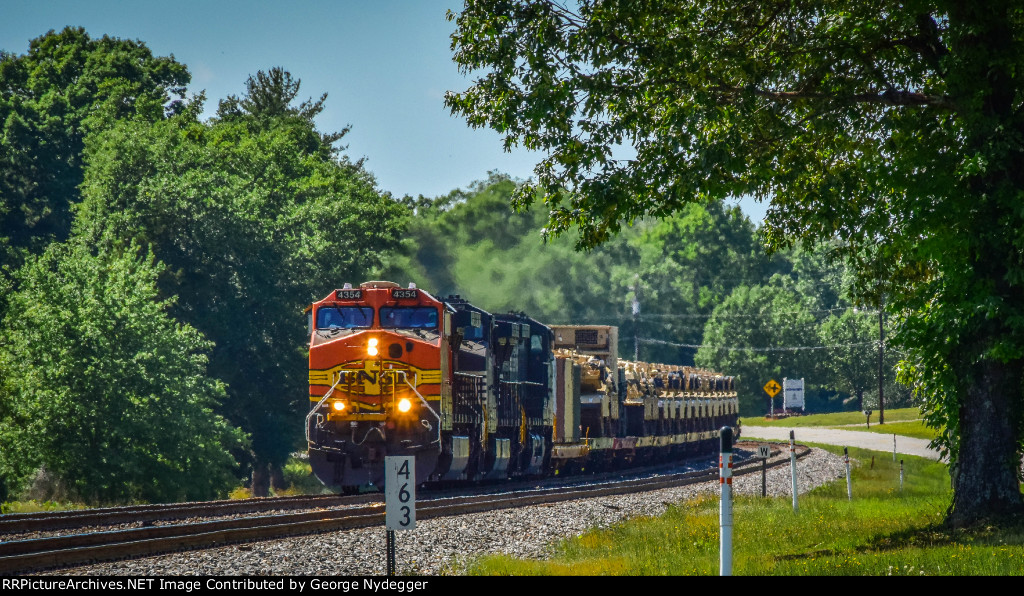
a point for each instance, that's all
(23, 556)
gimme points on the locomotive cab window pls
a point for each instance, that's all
(344, 317)
(408, 317)
(473, 333)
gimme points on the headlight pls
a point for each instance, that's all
(371, 346)
(338, 406)
(404, 405)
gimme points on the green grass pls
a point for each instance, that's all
(31, 506)
(905, 422)
(836, 419)
(883, 531)
(298, 480)
(914, 428)
(298, 475)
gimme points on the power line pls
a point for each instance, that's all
(772, 349)
(750, 316)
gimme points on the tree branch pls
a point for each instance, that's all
(889, 97)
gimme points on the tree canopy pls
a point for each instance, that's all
(741, 333)
(50, 98)
(247, 217)
(896, 127)
(102, 389)
(254, 217)
(472, 243)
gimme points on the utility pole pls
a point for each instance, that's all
(881, 340)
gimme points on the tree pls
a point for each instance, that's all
(254, 220)
(895, 127)
(689, 262)
(852, 362)
(67, 85)
(102, 388)
(269, 96)
(472, 243)
(743, 336)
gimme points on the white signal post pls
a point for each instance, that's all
(725, 510)
(399, 500)
(849, 487)
(792, 465)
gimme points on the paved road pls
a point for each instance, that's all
(842, 438)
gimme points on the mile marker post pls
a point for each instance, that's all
(901, 475)
(849, 487)
(725, 510)
(893, 447)
(792, 465)
(399, 500)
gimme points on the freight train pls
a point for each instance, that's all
(477, 396)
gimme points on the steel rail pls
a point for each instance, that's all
(40, 521)
(14, 523)
(23, 556)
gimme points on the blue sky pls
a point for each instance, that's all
(385, 66)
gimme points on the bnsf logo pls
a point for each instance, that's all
(367, 378)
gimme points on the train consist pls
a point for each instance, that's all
(474, 395)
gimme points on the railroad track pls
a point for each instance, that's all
(23, 556)
(14, 523)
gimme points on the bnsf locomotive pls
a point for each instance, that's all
(474, 395)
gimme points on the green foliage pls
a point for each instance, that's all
(895, 128)
(853, 363)
(473, 244)
(254, 217)
(102, 388)
(269, 96)
(35, 506)
(298, 476)
(67, 85)
(740, 335)
(688, 263)
(838, 355)
(680, 267)
(709, 99)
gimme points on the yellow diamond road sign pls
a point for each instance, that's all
(772, 388)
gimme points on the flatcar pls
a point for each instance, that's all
(479, 396)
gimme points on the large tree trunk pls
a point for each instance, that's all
(260, 479)
(985, 481)
(277, 482)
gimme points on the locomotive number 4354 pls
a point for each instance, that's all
(400, 492)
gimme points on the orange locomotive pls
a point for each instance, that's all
(474, 395)
(378, 361)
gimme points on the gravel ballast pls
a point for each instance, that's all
(445, 545)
